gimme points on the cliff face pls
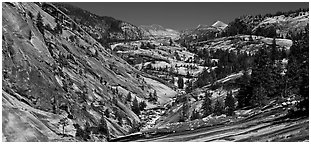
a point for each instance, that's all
(55, 73)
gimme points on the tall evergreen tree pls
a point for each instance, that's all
(246, 91)
(30, 15)
(63, 122)
(298, 69)
(103, 127)
(195, 115)
(142, 105)
(261, 80)
(218, 110)
(229, 104)
(207, 104)
(129, 97)
(171, 42)
(189, 87)
(39, 23)
(58, 28)
(107, 113)
(185, 108)
(274, 51)
(180, 82)
(135, 107)
(155, 96)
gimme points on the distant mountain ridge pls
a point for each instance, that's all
(203, 32)
(158, 31)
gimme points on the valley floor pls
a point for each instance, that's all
(267, 125)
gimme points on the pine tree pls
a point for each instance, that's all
(246, 91)
(262, 80)
(115, 101)
(103, 127)
(40, 23)
(188, 75)
(229, 104)
(298, 70)
(172, 80)
(189, 87)
(107, 113)
(129, 97)
(150, 96)
(30, 15)
(135, 107)
(259, 96)
(218, 110)
(58, 29)
(207, 105)
(63, 122)
(74, 26)
(177, 56)
(185, 108)
(171, 42)
(142, 105)
(195, 115)
(30, 35)
(251, 38)
(155, 96)
(118, 116)
(204, 78)
(274, 51)
(180, 82)
(120, 121)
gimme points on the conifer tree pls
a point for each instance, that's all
(30, 35)
(58, 29)
(218, 110)
(155, 96)
(103, 127)
(39, 24)
(120, 122)
(107, 113)
(129, 97)
(229, 104)
(150, 96)
(251, 38)
(195, 115)
(207, 104)
(171, 42)
(274, 51)
(63, 122)
(30, 15)
(261, 78)
(142, 105)
(135, 107)
(185, 108)
(180, 82)
(246, 91)
(298, 70)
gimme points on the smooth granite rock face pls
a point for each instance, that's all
(67, 74)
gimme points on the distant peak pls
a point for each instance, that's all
(219, 24)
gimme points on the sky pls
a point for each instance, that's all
(184, 15)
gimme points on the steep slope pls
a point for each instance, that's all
(285, 25)
(280, 24)
(157, 31)
(102, 28)
(61, 72)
